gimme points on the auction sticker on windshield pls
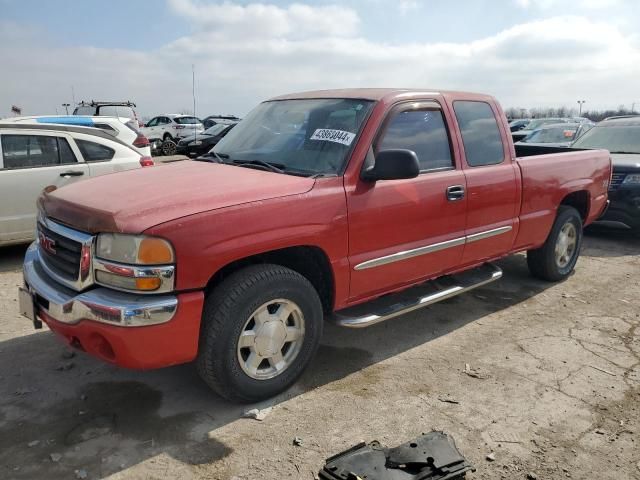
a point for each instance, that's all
(337, 136)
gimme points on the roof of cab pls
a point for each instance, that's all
(377, 94)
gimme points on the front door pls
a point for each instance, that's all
(402, 231)
(30, 163)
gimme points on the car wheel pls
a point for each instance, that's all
(169, 147)
(261, 328)
(557, 258)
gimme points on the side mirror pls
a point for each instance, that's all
(393, 165)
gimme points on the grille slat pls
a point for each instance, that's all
(66, 259)
(616, 180)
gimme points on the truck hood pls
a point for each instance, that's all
(626, 161)
(136, 200)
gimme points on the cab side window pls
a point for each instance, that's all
(30, 151)
(480, 133)
(422, 131)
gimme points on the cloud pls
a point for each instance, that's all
(260, 20)
(580, 4)
(539, 63)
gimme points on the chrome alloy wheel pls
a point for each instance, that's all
(271, 339)
(566, 244)
(169, 147)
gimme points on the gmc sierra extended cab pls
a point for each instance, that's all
(351, 205)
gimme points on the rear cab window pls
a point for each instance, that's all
(480, 133)
(31, 151)
(422, 129)
(186, 120)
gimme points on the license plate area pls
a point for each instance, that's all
(28, 306)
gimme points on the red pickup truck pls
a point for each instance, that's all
(351, 205)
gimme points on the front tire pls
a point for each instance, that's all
(557, 258)
(261, 328)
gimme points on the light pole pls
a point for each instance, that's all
(66, 107)
(581, 102)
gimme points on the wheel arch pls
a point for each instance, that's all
(580, 200)
(308, 260)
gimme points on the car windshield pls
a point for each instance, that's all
(116, 111)
(551, 135)
(543, 121)
(186, 120)
(311, 136)
(216, 129)
(616, 139)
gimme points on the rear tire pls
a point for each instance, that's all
(260, 329)
(557, 258)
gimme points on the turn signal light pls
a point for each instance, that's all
(154, 251)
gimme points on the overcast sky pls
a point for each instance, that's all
(528, 53)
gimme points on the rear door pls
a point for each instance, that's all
(31, 162)
(493, 181)
(402, 231)
(103, 156)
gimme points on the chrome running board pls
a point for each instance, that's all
(428, 293)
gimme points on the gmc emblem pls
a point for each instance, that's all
(47, 243)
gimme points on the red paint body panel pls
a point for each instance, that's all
(215, 215)
(143, 348)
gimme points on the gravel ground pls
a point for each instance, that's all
(552, 388)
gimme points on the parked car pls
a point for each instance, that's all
(122, 128)
(518, 124)
(39, 156)
(556, 134)
(621, 136)
(172, 127)
(202, 143)
(212, 120)
(319, 204)
(108, 109)
(539, 122)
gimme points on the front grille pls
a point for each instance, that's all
(64, 257)
(616, 180)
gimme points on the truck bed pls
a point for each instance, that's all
(577, 177)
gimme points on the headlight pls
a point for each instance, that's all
(633, 179)
(196, 142)
(134, 249)
(134, 263)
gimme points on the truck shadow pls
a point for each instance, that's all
(610, 242)
(11, 257)
(103, 419)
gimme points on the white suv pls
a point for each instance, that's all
(123, 128)
(172, 127)
(34, 157)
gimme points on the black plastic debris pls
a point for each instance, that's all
(432, 456)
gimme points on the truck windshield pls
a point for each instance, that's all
(308, 136)
(619, 139)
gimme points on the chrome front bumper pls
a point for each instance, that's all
(99, 304)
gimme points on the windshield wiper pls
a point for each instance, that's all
(272, 167)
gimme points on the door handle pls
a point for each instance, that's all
(72, 173)
(455, 192)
